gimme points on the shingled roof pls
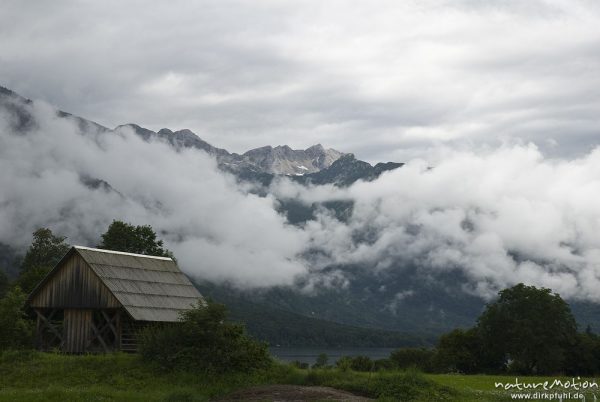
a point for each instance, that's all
(149, 288)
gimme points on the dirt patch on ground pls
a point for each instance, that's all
(291, 393)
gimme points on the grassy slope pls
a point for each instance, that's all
(34, 376)
(52, 377)
(37, 376)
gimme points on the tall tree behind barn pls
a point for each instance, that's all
(95, 300)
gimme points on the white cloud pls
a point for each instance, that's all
(217, 231)
(501, 217)
(463, 86)
(385, 81)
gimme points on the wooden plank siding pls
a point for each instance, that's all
(96, 300)
(76, 330)
(74, 285)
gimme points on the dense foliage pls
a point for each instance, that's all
(413, 357)
(322, 360)
(16, 329)
(356, 363)
(526, 330)
(45, 252)
(122, 236)
(203, 340)
(459, 351)
(529, 330)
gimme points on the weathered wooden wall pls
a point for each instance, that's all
(74, 286)
(96, 300)
(76, 330)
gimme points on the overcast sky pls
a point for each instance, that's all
(387, 80)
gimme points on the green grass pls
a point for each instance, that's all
(34, 376)
(406, 385)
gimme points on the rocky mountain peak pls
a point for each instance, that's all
(295, 162)
(317, 148)
(164, 131)
(261, 163)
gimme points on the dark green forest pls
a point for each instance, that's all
(284, 328)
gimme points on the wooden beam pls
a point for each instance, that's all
(97, 336)
(49, 325)
(119, 330)
(38, 331)
(109, 322)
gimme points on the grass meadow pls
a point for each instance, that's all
(35, 376)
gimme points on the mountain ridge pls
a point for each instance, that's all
(277, 160)
(260, 164)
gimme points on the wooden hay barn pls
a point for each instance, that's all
(95, 300)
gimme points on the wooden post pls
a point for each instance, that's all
(38, 330)
(46, 323)
(119, 330)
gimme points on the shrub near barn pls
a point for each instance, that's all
(204, 341)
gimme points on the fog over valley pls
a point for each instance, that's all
(496, 216)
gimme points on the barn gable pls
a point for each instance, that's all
(73, 284)
(148, 288)
(96, 300)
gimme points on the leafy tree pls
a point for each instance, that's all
(45, 252)
(122, 236)
(204, 341)
(322, 360)
(16, 330)
(528, 329)
(459, 351)
(584, 357)
(344, 363)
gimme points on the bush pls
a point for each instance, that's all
(300, 365)
(204, 341)
(459, 351)
(408, 385)
(16, 329)
(385, 365)
(357, 363)
(420, 358)
(321, 361)
(361, 363)
(344, 363)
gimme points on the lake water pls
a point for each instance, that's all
(309, 355)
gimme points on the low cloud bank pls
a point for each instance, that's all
(501, 217)
(216, 230)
